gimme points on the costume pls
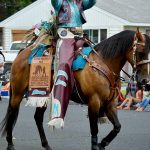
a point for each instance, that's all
(70, 18)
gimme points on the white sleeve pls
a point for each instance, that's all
(1, 59)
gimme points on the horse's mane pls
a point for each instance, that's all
(147, 45)
(116, 44)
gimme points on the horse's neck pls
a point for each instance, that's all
(115, 64)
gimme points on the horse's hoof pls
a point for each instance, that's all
(10, 147)
(48, 148)
(100, 147)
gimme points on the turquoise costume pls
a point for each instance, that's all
(76, 17)
(70, 17)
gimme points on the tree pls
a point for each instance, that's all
(9, 7)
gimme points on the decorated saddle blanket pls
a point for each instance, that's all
(37, 52)
(40, 76)
(78, 63)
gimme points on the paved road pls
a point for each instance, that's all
(134, 135)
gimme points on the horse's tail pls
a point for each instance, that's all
(103, 120)
(102, 117)
(10, 118)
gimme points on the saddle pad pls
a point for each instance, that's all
(37, 52)
(79, 62)
(39, 81)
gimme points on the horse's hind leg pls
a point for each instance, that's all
(111, 113)
(11, 117)
(93, 112)
(39, 114)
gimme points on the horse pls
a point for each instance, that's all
(97, 85)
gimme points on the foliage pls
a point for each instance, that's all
(9, 7)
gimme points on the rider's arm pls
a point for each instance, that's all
(56, 4)
(88, 4)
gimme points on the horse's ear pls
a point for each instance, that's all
(139, 35)
(137, 30)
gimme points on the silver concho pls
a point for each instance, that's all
(63, 33)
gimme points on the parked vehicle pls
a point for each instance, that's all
(10, 56)
(1, 48)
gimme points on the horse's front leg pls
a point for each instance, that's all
(39, 114)
(93, 112)
(111, 113)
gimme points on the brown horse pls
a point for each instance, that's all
(97, 84)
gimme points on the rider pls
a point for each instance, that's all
(70, 18)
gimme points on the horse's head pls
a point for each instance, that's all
(143, 60)
(139, 57)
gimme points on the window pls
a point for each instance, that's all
(96, 35)
(18, 46)
(88, 33)
(103, 34)
(92, 35)
(148, 32)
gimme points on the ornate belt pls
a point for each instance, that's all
(76, 30)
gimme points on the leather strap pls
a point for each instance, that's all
(106, 72)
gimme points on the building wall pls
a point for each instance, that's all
(7, 38)
(19, 35)
(26, 18)
(29, 16)
(115, 29)
(100, 19)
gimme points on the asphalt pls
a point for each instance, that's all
(134, 135)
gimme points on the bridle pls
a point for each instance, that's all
(136, 43)
(142, 62)
(135, 63)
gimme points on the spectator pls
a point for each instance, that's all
(131, 90)
(131, 99)
(146, 100)
(2, 60)
(6, 87)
